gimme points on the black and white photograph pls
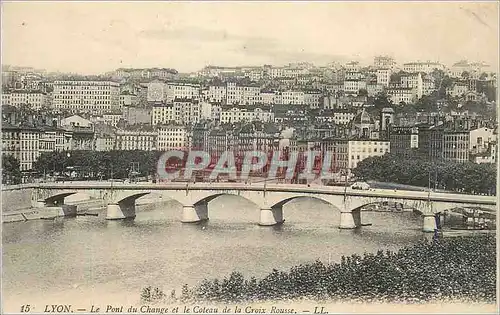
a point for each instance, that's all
(249, 157)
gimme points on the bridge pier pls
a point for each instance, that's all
(271, 216)
(118, 211)
(56, 206)
(347, 220)
(429, 223)
(195, 213)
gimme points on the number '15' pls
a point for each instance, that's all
(25, 308)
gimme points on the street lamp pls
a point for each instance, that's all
(345, 172)
(133, 170)
(68, 155)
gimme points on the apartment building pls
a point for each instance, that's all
(313, 98)
(187, 111)
(112, 119)
(292, 97)
(399, 94)
(347, 153)
(442, 142)
(413, 80)
(162, 114)
(54, 139)
(384, 62)
(171, 137)
(428, 85)
(383, 76)
(236, 114)
(458, 88)
(136, 138)
(182, 90)
(181, 111)
(403, 139)
(427, 66)
(242, 94)
(104, 137)
(22, 143)
(86, 96)
(128, 99)
(34, 100)
(217, 92)
(358, 150)
(471, 69)
(480, 139)
(353, 86)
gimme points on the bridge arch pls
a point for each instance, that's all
(130, 198)
(198, 210)
(393, 206)
(467, 216)
(57, 199)
(209, 198)
(385, 206)
(274, 215)
(281, 203)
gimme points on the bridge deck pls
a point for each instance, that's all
(312, 189)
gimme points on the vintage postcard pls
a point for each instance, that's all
(249, 157)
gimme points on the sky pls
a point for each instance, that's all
(96, 37)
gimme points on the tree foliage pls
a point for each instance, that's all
(363, 92)
(11, 173)
(99, 164)
(381, 101)
(455, 268)
(415, 169)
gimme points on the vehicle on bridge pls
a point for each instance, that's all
(361, 185)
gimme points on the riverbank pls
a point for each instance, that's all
(458, 268)
(91, 207)
(39, 213)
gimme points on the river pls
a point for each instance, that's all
(88, 259)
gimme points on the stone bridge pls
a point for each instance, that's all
(195, 198)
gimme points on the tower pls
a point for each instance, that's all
(386, 118)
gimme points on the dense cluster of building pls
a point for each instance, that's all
(298, 107)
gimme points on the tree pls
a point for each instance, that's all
(185, 293)
(414, 169)
(445, 83)
(426, 103)
(50, 162)
(381, 101)
(396, 77)
(11, 173)
(363, 92)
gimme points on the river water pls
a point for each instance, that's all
(88, 259)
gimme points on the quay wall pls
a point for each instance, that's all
(16, 199)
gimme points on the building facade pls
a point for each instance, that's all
(441, 142)
(34, 100)
(86, 96)
(140, 138)
(172, 137)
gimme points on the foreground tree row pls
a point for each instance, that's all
(413, 169)
(457, 268)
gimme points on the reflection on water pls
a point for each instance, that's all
(89, 253)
